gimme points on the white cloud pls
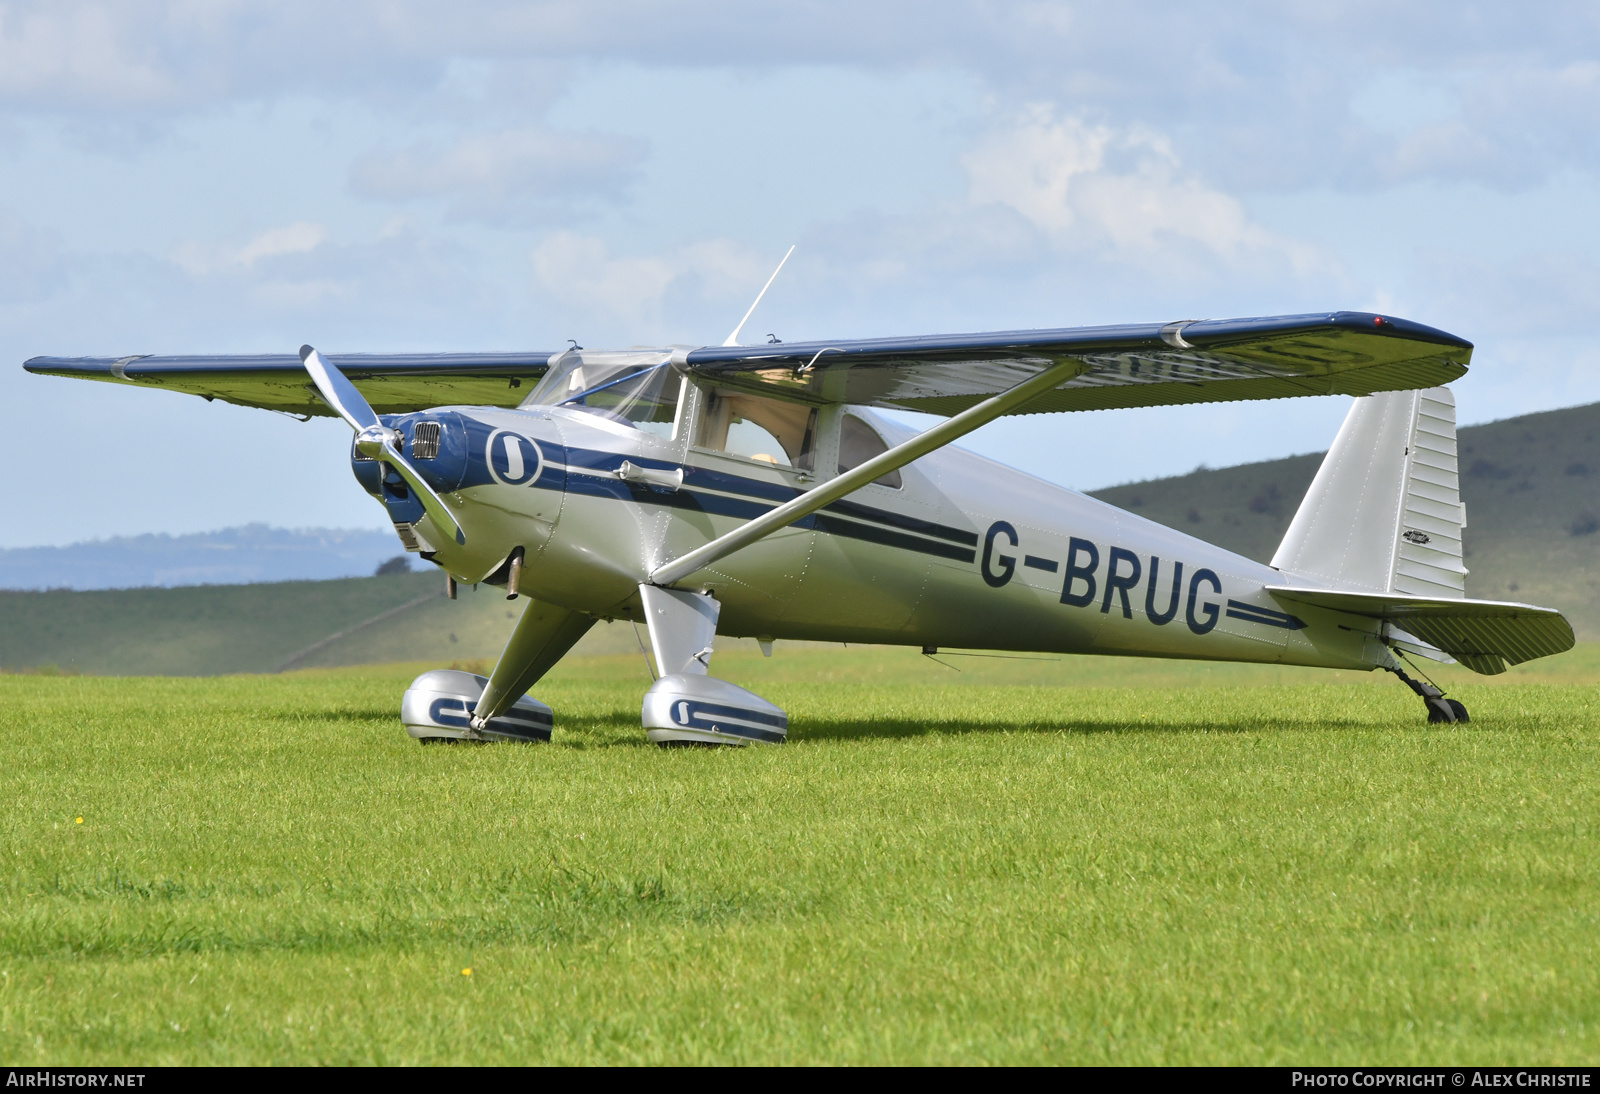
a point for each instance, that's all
(1123, 193)
(296, 238)
(301, 237)
(1032, 167)
(1257, 92)
(494, 174)
(581, 272)
(74, 53)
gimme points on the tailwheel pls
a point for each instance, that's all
(1446, 710)
(1440, 709)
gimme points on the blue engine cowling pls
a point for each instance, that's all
(436, 444)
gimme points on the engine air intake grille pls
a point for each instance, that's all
(425, 441)
(357, 455)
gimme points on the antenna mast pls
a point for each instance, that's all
(733, 339)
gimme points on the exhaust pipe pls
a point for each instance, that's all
(514, 577)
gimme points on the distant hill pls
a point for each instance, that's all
(232, 556)
(1531, 487)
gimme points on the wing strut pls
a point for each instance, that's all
(836, 488)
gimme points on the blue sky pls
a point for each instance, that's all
(181, 177)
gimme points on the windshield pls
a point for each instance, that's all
(636, 389)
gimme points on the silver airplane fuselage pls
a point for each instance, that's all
(965, 553)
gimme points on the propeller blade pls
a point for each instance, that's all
(338, 392)
(431, 502)
(375, 439)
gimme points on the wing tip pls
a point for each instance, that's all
(74, 366)
(1396, 327)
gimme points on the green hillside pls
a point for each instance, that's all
(1531, 486)
(211, 629)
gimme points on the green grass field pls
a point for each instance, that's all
(1077, 862)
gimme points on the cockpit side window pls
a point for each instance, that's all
(858, 443)
(769, 430)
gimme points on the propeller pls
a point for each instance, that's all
(373, 438)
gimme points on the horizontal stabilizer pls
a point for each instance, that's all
(1484, 635)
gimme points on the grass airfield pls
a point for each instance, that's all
(1083, 861)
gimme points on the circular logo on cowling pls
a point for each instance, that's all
(514, 460)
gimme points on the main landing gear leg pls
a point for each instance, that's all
(686, 706)
(451, 705)
(1440, 709)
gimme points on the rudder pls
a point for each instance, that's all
(1384, 512)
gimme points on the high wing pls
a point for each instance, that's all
(393, 383)
(1213, 360)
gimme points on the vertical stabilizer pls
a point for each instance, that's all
(1384, 513)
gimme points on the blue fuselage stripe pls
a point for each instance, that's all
(889, 538)
(1252, 613)
(698, 495)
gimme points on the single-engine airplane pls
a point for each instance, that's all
(752, 491)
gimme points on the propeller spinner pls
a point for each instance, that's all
(375, 439)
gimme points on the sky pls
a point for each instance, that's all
(185, 176)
